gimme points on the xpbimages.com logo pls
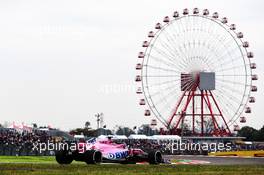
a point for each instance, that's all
(212, 147)
(50, 146)
(173, 147)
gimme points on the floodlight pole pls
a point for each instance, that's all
(98, 119)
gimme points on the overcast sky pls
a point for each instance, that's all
(62, 61)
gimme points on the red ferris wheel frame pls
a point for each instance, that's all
(204, 96)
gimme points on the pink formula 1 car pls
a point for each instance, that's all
(106, 151)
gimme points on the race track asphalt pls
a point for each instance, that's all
(214, 160)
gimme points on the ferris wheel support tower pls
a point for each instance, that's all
(200, 89)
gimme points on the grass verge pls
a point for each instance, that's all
(29, 165)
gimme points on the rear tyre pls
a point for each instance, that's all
(93, 157)
(155, 157)
(63, 157)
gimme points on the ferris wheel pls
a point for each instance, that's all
(196, 71)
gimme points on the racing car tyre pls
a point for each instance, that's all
(155, 157)
(93, 157)
(63, 157)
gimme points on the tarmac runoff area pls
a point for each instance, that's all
(215, 160)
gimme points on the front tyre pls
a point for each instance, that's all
(155, 157)
(63, 157)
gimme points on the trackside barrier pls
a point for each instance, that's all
(239, 153)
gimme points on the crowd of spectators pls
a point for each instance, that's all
(14, 142)
(165, 147)
(19, 142)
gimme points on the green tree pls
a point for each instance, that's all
(260, 134)
(124, 131)
(87, 124)
(34, 125)
(249, 132)
(147, 130)
(84, 131)
(103, 131)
